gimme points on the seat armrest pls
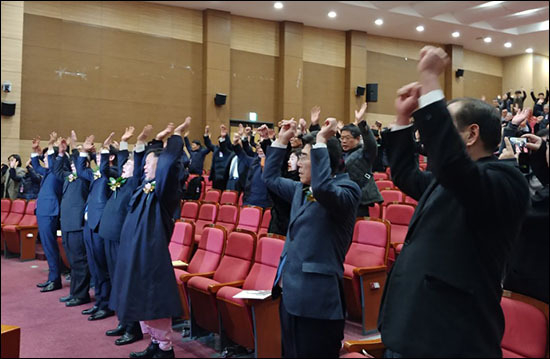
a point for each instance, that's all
(27, 227)
(365, 270)
(395, 244)
(185, 277)
(374, 347)
(214, 288)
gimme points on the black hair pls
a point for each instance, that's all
(334, 151)
(155, 151)
(518, 91)
(540, 93)
(113, 151)
(197, 142)
(474, 111)
(543, 133)
(18, 158)
(353, 130)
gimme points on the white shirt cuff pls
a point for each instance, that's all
(400, 127)
(34, 155)
(50, 152)
(319, 145)
(277, 144)
(105, 152)
(139, 147)
(123, 146)
(83, 154)
(430, 97)
(222, 139)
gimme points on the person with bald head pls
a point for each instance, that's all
(442, 296)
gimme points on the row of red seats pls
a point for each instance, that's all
(19, 228)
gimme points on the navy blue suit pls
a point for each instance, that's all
(319, 234)
(47, 215)
(110, 226)
(95, 247)
(73, 204)
(197, 157)
(220, 156)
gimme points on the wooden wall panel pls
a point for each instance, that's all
(253, 86)
(255, 35)
(324, 86)
(482, 63)
(101, 79)
(477, 84)
(323, 46)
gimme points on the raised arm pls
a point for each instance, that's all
(315, 116)
(36, 152)
(61, 163)
(187, 144)
(80, 163)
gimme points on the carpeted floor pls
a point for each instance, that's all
(51, 330)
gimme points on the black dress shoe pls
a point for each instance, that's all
(91, 310)
(101, 314)
(147, 353)
(115, 332)
(65, 298)
(77, 301)
(128, 338)
(43, 284)
(52, 286)
(164, 353)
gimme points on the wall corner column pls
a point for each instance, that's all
(454, 86)
(291, 70)
(356, 71)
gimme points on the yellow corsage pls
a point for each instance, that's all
(72, 177)
(115, 184)
(97, 175)
(149, 187)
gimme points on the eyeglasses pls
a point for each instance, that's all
(346, 138)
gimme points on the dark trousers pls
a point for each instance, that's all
(47, 228)
(111, 254)
(95, 249)
(73, 242)
(310, 338)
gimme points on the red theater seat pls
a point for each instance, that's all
(250, 218)
(207, 215)
(399, 215)
(6, 205)
(229, 196)
(232, 271)
(182, 241)
(21, 238)
(380, 176)
(227, 217)
(266, 218)
(384, 184)
(212, 195)
(365, 270)
(190, 210)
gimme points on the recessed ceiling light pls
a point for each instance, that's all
(508, 44)
(332, 14)
(490, 3)
(379, 22)
(420, 28)
(487, 39)
(529, 50)
(455, 34)
(527, 12)
(278, 5)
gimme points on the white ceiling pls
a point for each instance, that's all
(503, 20)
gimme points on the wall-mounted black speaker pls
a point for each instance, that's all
(8, 108)
(359, 90)
(220, 98)
(372, 92)
(459, 73)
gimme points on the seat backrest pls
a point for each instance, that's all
(31, 206)
(374, 211)
(399, 213)
(238, 257)
(6, 205)
(250, 218)
(182, 239)
(208, 212)
(266, 218)
(392, 195)
(263, 271)
(228, 213)
(241, 199)
(525, 330)
(190, 210)
(17, 211)
(410, 200)
(383, 184)
(380, 176)
(229, 196)
(212, 195)
(370, 243)
(211, 248)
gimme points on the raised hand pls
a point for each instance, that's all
(302, 125)
(315, 115)
(406, 102)
(328, 130)
(236, 139)
(340, 125)
(241, 130)
(184, 126)
(207, 130)
(53, 138)
(36, 144)
(28, 164)
(142, 137)
(223, 130)
(359, 114)
(248, 131)
(115, 145)
(263, 131)
(164, 133)
(108, 141)
(287, 131)
(88, 145)
(533, 142)
(62, 146)
(73, 139)
(128, 133)
(520, 117)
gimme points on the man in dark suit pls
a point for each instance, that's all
(73, 203)
(220, 156)
(197, 153)
(95, 248)
(237, 166)
(442, 296)
(47, 212)
(324, 206)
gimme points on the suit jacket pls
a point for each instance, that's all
(442, 296)
(75, 193)
(319, 235)
(49, 195)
